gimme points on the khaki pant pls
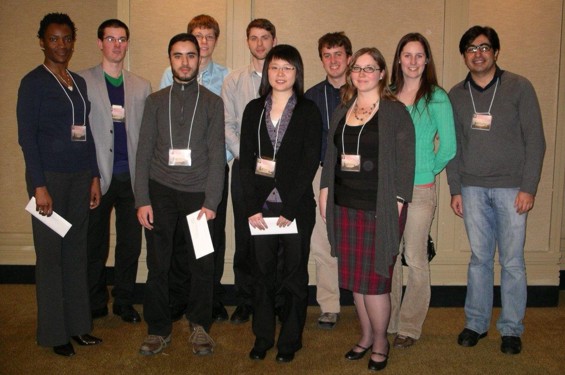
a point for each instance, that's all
(327, 285)
(407, 317)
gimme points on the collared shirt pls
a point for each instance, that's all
(469, 79)
(240, 87)
(212, 77)
(327, 98)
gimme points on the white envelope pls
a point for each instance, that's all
(200, 234)
(273, 228)
(55, 222)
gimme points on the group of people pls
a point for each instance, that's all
(365, 145)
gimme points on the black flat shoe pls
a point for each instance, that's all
(127, 313)
(257, 354)
(241, 314)
(66, 350)
(285, 357)
(219, 312)
(86, 340)
(511, 345)
(469, 338)
(378, 366)
(354, 356)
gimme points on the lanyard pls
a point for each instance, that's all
(491, 101)
(66, 93)
(327, 109)
(259, 135)
(359, 136)
(191, 121)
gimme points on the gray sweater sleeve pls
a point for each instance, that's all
(145, 146)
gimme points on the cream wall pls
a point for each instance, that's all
(536, 54)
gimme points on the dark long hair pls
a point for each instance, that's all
(292, 56)
(429, 78)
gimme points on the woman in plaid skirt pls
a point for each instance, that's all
(368, 177)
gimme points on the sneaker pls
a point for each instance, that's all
(154, 344)
(202, 343)
(328, 320)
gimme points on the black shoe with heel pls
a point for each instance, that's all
(378, 366)
(86, 340)
(352, 355)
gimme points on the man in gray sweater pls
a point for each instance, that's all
(180, 169)
(493, 181)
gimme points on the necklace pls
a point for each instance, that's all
(67, 81)
(363, 112)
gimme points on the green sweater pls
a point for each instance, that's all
(435, 118)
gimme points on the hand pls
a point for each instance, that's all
(256, 221)
(457, 205)
(283, 222)
(145, 216)
(43, 201)
(210, 215)
(524, 202)
(95, 193)
(322, 202)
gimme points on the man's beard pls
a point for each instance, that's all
(185, 79)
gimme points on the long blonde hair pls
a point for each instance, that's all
(349, 91)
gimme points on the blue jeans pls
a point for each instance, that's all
(491, 219)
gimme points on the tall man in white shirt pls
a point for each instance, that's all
(239, 88)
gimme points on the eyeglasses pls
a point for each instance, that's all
(209, 38)
(482, 47)
(366, 69)
(113, 39)
(285, 69)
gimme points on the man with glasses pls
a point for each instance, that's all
(335, 52)
(240, 87)
(117, 98)
(493, 181)
(211, 75)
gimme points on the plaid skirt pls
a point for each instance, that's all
(355, 238)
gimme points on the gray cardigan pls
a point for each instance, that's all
(395, 177)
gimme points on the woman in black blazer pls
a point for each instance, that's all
(279, 156)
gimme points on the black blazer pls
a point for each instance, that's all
(297, 158)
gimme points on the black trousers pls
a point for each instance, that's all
(168, 206)
(293, 287)
(243, 261)
(63, 309)
(128, 245)
(179, 281)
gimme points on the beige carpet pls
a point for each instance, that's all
(435, 353)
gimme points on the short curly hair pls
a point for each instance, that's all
(58, 18)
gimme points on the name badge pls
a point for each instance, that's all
(350, 163)
(118, 113)
(265, 167)
(180, 157)
(481, 121)
(78, 133)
